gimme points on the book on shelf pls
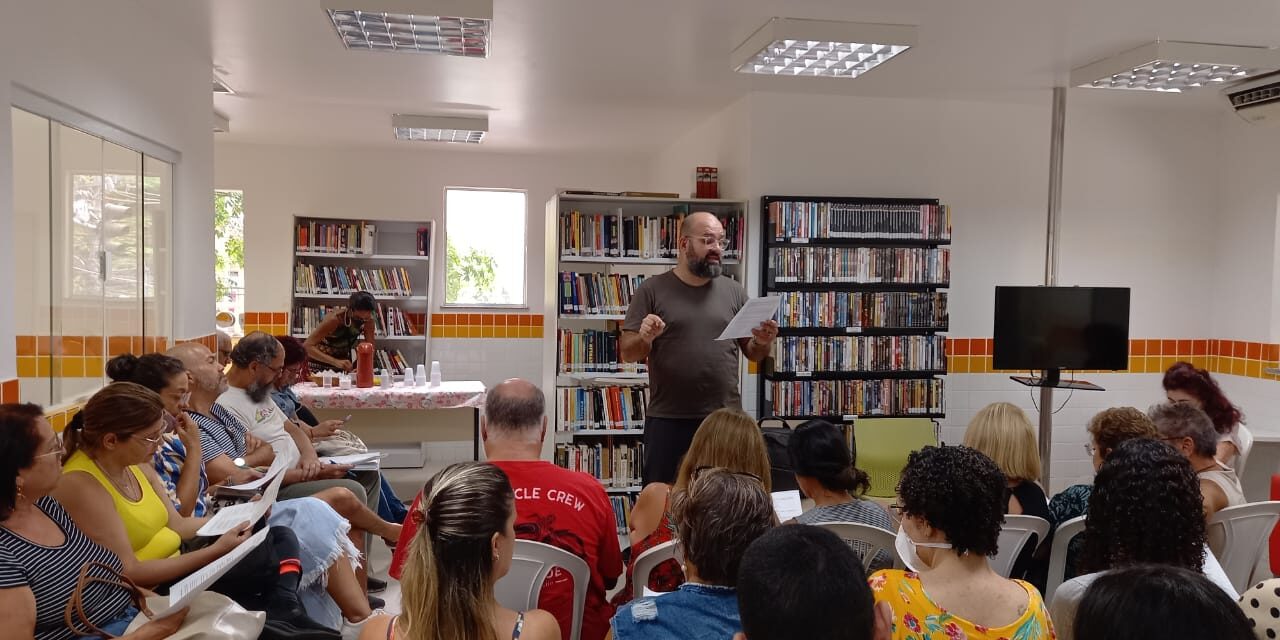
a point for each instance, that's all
(388, 321)
(855, 397)
(600, 409)
(592, 351)
(859, 221)
(899, 265)
(862, 309)
(423, 241)
(622, 505)
(613, 464)
(597, 293)
(334, 279)
(618, 236)
(859, 353)
(335, 237)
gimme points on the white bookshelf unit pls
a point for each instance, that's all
(392, 259)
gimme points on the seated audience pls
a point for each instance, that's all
(41, 549)
(717, 517)
(1261, 605)
(1191, 432)
(555, 506)
(952, 501)
(1107, 429)
(826, 473)
(804, 583)
(1145, 509)
(328, 556)
(1183, 382)
(1158, 602)
(331, 343)
(111, 490)
(726, 438)
(1002, 432)
(462, 546)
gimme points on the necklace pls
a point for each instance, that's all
(127, 489)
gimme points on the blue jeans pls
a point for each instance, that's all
(117, 626)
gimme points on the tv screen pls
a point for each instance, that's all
(1040, 328)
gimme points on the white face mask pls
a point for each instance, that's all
(906, 548)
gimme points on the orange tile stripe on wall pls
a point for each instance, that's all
(486, 325)
(77, 356)
(1151, 355)
(9, 391)
(275, 323)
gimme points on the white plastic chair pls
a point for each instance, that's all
(1014, 535)
(875, 540)
(530, 564)
(1245, 436)
(1238, 536)
(1062, 538)
(647, 561)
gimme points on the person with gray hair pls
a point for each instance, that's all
(555, 506)
(1191, 432)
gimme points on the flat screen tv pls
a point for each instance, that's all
(1045, 328)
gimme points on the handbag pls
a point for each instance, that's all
(341, 443)
(781, 474)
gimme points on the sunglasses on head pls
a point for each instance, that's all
(699, 471)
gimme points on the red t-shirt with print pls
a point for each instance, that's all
(565, 509)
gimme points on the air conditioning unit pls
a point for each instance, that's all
(1257, 100)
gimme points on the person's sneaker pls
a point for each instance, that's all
(375, 585)
(351, 630)
(376, 603)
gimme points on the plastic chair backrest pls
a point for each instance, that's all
(1062, 537)
(1245, 436)
(530, 564)
(883, 445)
(1014, 535)
(646, 561)
(873, 540)
(1237, 536)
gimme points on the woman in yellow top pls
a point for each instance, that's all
(951, 500)
(111, 491)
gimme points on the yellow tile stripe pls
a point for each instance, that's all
(1146, 355)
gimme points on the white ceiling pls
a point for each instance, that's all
(625, 76)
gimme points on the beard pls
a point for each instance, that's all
(702, 267)
(257, 391)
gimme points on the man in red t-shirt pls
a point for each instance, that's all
(562, 508)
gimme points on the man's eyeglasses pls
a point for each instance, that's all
(712, 241)
(272, 369)
(292, 372)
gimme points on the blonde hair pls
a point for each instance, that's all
(1003, 433)
(447, 588)
(728, 439)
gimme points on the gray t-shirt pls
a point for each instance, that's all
(691, 373)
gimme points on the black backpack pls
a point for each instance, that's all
(781, 475)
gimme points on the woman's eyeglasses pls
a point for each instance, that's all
(698, 471)
(156, 440)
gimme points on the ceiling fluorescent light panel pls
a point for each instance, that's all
(1174, 67)
(439, 129)
(449, 27)
(820, 48)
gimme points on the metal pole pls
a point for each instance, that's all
(1056, 132)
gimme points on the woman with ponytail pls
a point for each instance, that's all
(826, 472)
(463, 546)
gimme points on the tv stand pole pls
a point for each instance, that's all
(1057, 130)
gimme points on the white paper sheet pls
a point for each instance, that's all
(282, 463)
(354, 459)
(227, 518)
(183, 592)
(787, 504)
(755, 311)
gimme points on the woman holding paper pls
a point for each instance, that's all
(111, 491)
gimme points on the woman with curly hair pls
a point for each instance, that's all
(952, 501)
(1160, 602)
(1145, 509)
(1184, 382)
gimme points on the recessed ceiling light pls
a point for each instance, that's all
(219, 86)
(1174, 67)
(450, 27)
(821, 48)
(439, 129)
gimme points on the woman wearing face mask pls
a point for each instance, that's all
(952, 504)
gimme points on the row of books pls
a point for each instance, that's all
(622, 512)
(595, 293)
(861, 264)
(327, 278)
(591, 351)
(856, 397)
(861, 221)
(859, 353)
(618, 236)
(614, 465)
(601, 408)
(863, 309)
(335, 237)
(390, 359)
(388, 321)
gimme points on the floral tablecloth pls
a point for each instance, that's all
(449, 395)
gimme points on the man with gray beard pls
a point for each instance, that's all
(674, 320)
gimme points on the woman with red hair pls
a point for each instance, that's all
(1183, 382)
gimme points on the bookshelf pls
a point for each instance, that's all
(864, 303)
(392, 259)
(602, 248)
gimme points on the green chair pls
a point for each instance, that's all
(883, 445)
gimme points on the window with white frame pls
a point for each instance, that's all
(485, 240)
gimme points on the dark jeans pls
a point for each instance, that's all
(665, 442)
(251, 581)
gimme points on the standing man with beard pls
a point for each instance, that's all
(673, 320)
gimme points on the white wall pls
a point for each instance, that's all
(1243, 305)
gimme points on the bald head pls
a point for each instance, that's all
(701, 223)
(514, 408)
(190, 353)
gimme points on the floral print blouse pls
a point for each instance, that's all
(916, 617)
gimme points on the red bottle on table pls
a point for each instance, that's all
(364, 365)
